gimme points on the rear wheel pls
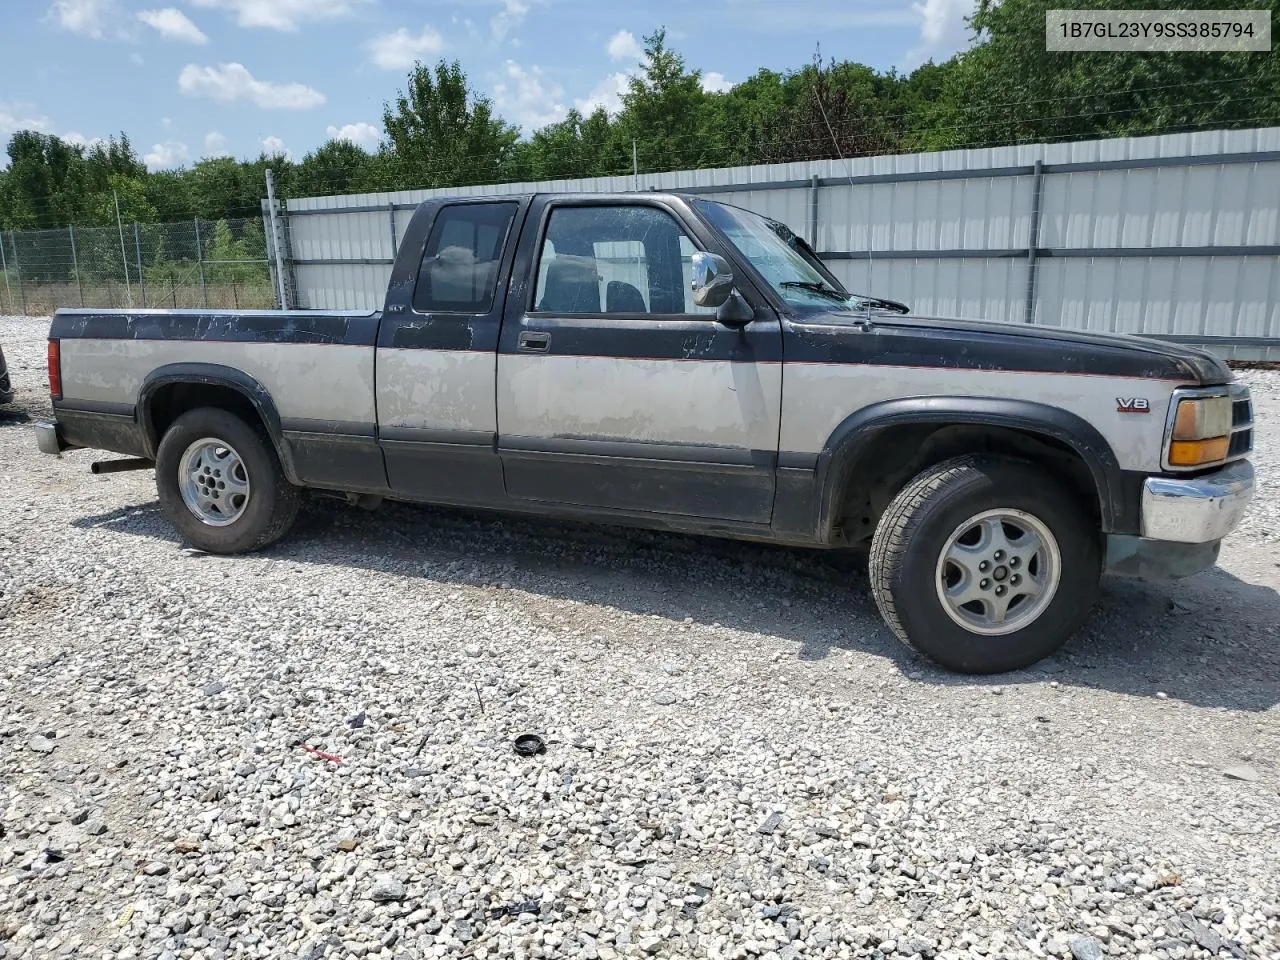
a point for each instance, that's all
(985, 564)
(221, 485)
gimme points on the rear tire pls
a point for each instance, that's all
(985, 564)
(221, 485)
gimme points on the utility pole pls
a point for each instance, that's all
(276, 246)
(124, 257)
(635, 166)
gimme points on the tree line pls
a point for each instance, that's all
(440, 132)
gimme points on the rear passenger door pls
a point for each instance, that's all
(615, 392)
(437, 353)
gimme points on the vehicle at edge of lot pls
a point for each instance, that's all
(663, 360)
(6, 387)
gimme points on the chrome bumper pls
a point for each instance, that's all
(49, 438)
(1196, 510)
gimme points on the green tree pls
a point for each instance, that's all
(1009, 89)
(338, 166)
(130, 193)
(444, 134)
(664, 110)
(44, 186)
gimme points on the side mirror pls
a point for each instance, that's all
(712, 279)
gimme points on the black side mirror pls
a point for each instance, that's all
(735, 312)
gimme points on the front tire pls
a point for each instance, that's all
(221, 485)
(985, 564)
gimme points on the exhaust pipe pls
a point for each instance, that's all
(120, 466)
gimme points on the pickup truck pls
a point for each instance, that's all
(667, 361)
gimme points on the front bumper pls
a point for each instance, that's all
(1183, 523)
(1196, 510)
(49, 438)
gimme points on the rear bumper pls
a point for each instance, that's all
(49, 438)
(1196, 510)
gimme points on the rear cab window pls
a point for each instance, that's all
(461, 261)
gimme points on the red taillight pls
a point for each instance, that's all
(55, 370)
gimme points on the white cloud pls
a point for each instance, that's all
(528, 97)
(607, 93)
(361, 134)
(136, 59)
(80, 140)
(229, 82)
(215, 144)
(167, 155)
(943, 30)
(509, 17)
(282, 14)
(18, 116)
(172, 24)
(400, 50)
(96, 19)
(623, 45)
(713, 82)
(274, 145)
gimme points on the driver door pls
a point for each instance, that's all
(616, 392)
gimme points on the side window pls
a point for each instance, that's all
(459, 269)
(623, 260)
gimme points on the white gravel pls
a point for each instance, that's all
(739, 760)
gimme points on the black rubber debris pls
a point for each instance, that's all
(529, 745)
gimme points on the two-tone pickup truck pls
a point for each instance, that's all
(663, 360)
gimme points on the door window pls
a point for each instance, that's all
(459, 270)
(616, 261)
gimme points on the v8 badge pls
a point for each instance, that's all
(1133, 404)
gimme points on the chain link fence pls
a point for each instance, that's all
(190, 264)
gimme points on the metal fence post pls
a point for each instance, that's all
(17, 267)
(277, 236)
(1033, 243)
(4, 268)
(137, 249)
(391, 217)
(813, 212)
(204, 293)
(75, 264)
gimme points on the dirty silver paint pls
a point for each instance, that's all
(314, 382)
(819, 396)
(437, 389)
(706, 402)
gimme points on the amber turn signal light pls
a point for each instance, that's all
(1193, 453)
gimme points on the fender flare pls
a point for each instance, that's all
(840, 454)
(214, 374)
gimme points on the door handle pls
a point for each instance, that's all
(535, 342)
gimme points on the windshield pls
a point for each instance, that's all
(783, 259)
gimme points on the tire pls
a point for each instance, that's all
(227, 455)
(962, 508)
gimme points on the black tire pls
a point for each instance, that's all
(272, 503)
(919, 524)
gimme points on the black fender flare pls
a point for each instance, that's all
(840, 454)
(214, 374)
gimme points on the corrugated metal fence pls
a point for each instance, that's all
(1176, 236)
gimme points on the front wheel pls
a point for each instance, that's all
(221, 485)
(985, 564)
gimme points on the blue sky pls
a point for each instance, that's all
(193, 78)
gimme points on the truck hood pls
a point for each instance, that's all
(883, 338)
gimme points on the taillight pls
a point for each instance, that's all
(55, 370)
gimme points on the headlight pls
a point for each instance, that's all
(1201, 432)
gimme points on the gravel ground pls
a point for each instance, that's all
(739, 760)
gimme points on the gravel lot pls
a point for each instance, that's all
(740, 760)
